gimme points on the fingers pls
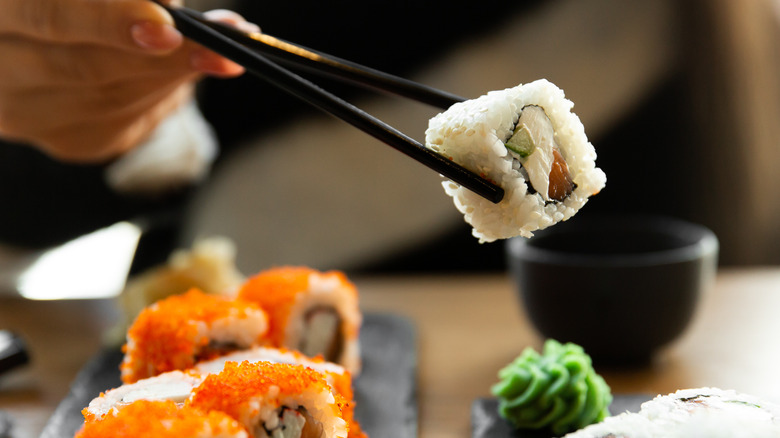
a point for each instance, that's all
(38, 64)
(137, 25)
(154, 37)
(38, 110)
(115, 134)
(68, 135)
(81, 84)
(210, 63)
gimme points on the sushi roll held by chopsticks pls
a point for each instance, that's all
(526, 140)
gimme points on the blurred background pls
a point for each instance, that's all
(680, 99)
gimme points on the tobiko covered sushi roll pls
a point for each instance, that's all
(526, 140)
(274, 400)
(339, 379)
(162, 419)
(179, 386)
(177, 332)
(310, 311)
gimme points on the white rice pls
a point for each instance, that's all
(263, 411)
(472, 133)
(243, 330)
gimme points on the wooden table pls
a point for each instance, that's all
(468, 327)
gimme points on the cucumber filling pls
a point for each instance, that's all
(521, 142)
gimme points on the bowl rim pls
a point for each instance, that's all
(703, 243)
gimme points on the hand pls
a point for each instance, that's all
(86, 80)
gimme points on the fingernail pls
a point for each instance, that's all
(248, 27)
(155, 36)
(233, 19)
(206, 61)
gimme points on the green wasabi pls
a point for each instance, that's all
(557, 390)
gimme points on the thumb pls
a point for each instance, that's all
(138, 25)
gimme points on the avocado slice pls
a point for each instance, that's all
(521, 142)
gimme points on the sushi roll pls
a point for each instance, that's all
(174, 386)
(526, 140)
(274, 400)
(177, 332)
(692, 405)
(339, 379)
(310, 311)
(702, 412)
(162, 419)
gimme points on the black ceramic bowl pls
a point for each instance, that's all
(621, 287)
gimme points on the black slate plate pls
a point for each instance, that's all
(385, 391)
(486, 423)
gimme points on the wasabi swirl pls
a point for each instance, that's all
(558, 390)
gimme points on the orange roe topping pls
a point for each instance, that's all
(161, 419)
(165, 336)
(277, 289)
(342, 385)
(232, 390)
(354, 429)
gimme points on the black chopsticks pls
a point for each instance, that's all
(246, 51)
(297, 56)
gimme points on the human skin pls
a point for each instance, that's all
(86, 80)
